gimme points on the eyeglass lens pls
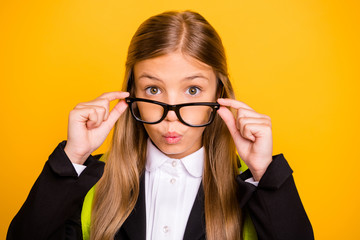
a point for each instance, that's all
(152, 112)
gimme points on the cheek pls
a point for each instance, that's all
(196, 132)
(152, 130)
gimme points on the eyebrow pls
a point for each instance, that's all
(146, 75)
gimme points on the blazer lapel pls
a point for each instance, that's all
(195, 227)
(135, 224)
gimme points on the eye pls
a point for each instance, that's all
(193, 91)
(152, 90)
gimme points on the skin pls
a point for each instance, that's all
(173, 78)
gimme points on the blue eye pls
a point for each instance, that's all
(193, 91)
(152, 90)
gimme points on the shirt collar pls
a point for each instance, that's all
(194, 163)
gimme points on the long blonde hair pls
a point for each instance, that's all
(117, 191)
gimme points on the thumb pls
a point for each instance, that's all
(229, 120)
(115, 113)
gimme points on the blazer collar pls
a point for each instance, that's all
(195, 227)
(135, 224)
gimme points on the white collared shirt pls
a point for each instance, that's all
(171, 186)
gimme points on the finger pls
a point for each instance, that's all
(110, 96)
(115, 113)
(229, 120)
(114, 95)
(105, 99)
(88, 116)
(253, 130)
(103, 103)
(242, 112)
(242, 121)
(233, 103)
(100, 111)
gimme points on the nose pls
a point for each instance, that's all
(171, 116)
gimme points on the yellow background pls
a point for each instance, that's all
(296, 61)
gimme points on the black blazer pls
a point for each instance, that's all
(52, 209)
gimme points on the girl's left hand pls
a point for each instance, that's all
(252, 135)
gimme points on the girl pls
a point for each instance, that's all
(172, 171)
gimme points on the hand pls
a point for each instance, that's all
(252, 135)
(90, 123)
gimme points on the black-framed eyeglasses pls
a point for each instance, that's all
(197, 114)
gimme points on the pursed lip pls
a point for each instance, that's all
(172, 137)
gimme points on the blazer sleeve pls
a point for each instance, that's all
(53, 206)
(275, 206)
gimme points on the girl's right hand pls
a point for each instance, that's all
(90, 123)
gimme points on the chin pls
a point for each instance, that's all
(170, 149)
(178, 151)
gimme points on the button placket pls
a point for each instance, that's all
(165, 229)
(167, 199)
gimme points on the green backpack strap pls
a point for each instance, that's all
(249, 232)
(86, 209)
(86, 213)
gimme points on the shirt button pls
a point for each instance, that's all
(174, 163)
(173, 180)
(165, 229)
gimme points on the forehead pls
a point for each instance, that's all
(175, 66)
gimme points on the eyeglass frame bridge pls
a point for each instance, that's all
(176, 108)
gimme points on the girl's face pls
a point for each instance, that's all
(173, 79)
